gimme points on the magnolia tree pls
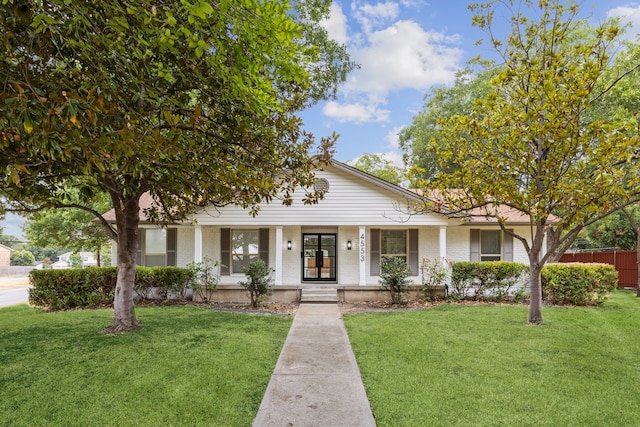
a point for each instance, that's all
(193, 103)
(532, 144)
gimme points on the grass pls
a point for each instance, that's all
(457, 365)
(186, 366)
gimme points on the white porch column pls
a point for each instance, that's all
(362, 251)
(278, 278)
(197, 242)
(442, 239)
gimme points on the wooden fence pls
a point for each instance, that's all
(625, 263)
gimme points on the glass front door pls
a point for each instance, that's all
(319, 257)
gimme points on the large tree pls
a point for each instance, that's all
(71, 228)
(442, 102)
(532, 144)
(193, 102)
(378, 165)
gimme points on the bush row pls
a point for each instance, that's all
(494, 280)
(95, 286)
(578, 283)
(562, 284)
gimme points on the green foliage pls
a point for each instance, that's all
(434, 275)
(442, 103)
(377, 165)
(204, 277)
(394, 277)
(22, 258)
(578, 283)
(162, 282)
(618, 230)
(69, 228)
(193, 103)
(492, 280)
(95, 286)
(71, 288)
(532, 143)
(75, 260)
(259, 281)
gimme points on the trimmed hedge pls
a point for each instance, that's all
(488, 280)
(73, 287)
(95, 286)
(578, 283)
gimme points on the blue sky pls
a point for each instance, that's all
(404, 48)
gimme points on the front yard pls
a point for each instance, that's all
(478, 365)
(186, 366)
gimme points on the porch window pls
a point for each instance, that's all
(238, 247)
(398, 243)
(245, 248)
(393, 243)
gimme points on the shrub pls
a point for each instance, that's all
(578, 283)
(95, 286)
(434, 274)
(394, 273)
(259, 281)
(204, 277)
(162, 282)
(70, 288)
(493, 280)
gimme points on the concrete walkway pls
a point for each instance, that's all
(316, 381)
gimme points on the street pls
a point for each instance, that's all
(14, 296)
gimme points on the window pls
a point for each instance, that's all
(157, 247)
(490, 245)
(393, 243)
(245, 248)
(238, 247)
(399, 243)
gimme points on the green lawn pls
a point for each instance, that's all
(186, 366)
(459, 365)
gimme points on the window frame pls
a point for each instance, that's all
(404, 255)
(488, 257)
(252, 256)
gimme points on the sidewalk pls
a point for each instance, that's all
(316, 381)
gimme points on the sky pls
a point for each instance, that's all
(404, 48)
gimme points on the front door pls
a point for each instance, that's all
(319, 257)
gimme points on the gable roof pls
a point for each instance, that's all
(511, 216)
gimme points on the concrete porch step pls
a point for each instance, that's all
(319, 295)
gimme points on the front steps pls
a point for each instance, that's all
(319, 295)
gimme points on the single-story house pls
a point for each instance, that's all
(64, 260)
(337, 243)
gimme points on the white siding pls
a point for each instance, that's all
(349, 201)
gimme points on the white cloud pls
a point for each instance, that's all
(394, 137)
(629, 15)
(393, 56)
(336, 24)
(357, 112)
(403, 56)
(371, 16)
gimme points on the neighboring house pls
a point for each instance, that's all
(64, 260)
(5, 256)
(336, 243)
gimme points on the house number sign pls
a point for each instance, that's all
(362, 247)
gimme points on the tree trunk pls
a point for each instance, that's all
(127, 220)
(535, 282)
